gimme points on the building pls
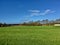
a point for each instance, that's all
(56, 24)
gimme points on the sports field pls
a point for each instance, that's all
(30, 35)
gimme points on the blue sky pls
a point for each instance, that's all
(16, 11)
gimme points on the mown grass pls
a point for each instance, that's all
(30, 35)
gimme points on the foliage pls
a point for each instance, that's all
(34, 23)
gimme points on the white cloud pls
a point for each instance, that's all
(34, 11)
(37, 12)
(48, 11)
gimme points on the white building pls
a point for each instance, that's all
(56, 24)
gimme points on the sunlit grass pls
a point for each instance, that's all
(30, 35)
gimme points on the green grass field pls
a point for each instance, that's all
(30, 35)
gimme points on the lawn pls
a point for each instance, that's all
(30, 35)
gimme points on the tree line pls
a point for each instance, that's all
(45, 22)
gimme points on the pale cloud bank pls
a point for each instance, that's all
(38, 12)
